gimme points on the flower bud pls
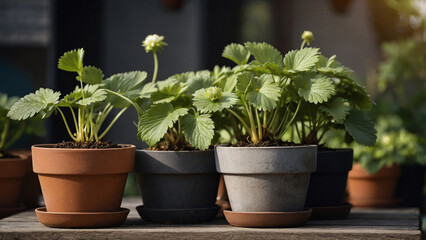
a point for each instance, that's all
(213, 93)
(308, 36)
(154, 43)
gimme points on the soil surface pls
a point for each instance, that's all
(87, 145)
(173, 147)
(267, 143)
(7, 155)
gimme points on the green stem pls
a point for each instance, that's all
(179, 130)
(240, 119)
(138, 109)
(154, 76)
(265, 125)
(259, 124)
(254, 136)
(4, 133)
(74, 118)
(303, 44)
(66, 125)
(16, 136)
(112, 122)
(292, 119)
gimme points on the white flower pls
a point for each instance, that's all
(154, 43)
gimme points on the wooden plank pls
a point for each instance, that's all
(361, 224)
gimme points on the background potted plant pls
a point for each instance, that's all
(83, 180)
(13, 166)
(373, 180)
(346, 109)
(266, 178)
(177, 176)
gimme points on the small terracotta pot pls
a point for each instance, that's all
(12, 172)
(372, 190)
(82, 180)
(30, 190)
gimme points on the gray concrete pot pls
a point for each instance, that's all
(266, 179)
(177, 179)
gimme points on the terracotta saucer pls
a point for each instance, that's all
(81, 219)
(267, 219)
(6, 212)
(379, 203)
(332, 212)
(180, 216)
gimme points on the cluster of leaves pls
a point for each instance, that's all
(172, 119)
(394, 146)
(303, 88)
(10, 130)
(89, 104)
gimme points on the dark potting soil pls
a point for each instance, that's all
(7, 155)
(87, 145)
(267, 143)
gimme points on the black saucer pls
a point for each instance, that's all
(178, 216)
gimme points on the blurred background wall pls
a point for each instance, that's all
(34, 33)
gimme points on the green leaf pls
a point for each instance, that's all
(7, 102)
(43, 101)
(315, 88)
(264, 93)
(127, 84)
(360, 126)
(91, 75)
(301, 60)
(147, 90)
(236, 53)
(198, 130)
(168, 91)
(206, 105)
(330, 66)
(182, 77)
(338, 108)
(154, 124)
(92, 94)
(264, 53)
(72, 61)
(199, 82)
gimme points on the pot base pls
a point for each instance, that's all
(267, 219)
(180, 216)
(331, 213)
(372, 202)
(81, 219)
(6, 212)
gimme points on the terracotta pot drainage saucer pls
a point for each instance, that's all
(332, 212)
(6, 212)
(267, 219)
(181, 216)
(372, 202)
(81, 219)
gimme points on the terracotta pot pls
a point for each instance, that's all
(82, 180)
(372, 190)
(30, 190)
(12, 172)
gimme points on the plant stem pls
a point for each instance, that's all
(66, 125)
(4, 133)
(154, 76)
(303, 44)
(254, 136)
(138, 109)
(73, 117)
(259, 124)
(15, 136)
(240, 119)
(112, 122)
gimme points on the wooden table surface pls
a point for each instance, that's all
(361, 224)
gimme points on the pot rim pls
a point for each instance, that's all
(271, 147)
(168, 151)
(49, 146)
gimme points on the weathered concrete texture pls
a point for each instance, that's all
(361, 224)
(266, 179)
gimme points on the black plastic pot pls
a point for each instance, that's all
(410, 185)
(327, 185)
(179, 184)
